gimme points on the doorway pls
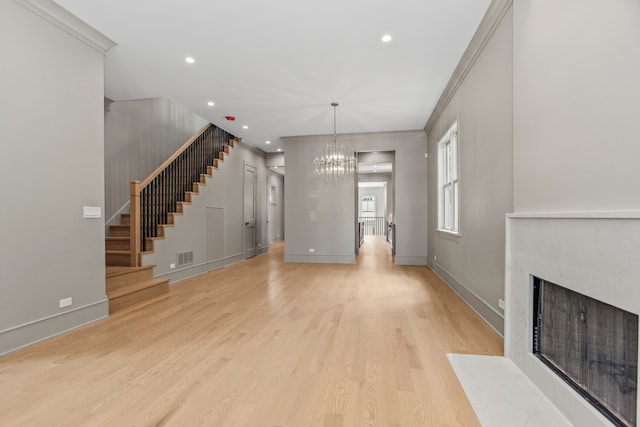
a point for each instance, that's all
(375, 197)
(275, 208)
(250, 180)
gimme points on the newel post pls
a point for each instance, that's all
(134, 224)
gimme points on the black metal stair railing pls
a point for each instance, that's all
(160, 194)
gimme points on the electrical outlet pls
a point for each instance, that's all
(66, 302)
(501, 304)
(435, 258)
(312, 250)
(172, 265)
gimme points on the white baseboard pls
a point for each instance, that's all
(320, 259)
(21, 336)
(480, 306)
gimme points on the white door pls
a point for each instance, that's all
(249, 211)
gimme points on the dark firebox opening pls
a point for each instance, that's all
(591, 345)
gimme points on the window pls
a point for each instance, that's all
(448, 187)
(368, 204)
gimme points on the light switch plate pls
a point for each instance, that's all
(91, 212)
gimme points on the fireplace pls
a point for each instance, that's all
(591, 345)
(587, 260)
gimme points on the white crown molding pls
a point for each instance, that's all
(496, 11)
(576, 215)
(69, 23)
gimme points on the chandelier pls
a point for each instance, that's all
(333, 163)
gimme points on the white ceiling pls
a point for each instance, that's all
(277, 65)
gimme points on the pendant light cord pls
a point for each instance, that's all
(335, 137)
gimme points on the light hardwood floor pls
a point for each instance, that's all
(262, 343)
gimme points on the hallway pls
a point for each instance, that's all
(375, 253)
(262, 343)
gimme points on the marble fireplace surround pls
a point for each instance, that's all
(596, 254)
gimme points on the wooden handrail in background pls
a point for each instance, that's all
(134, 224)
(174, 156)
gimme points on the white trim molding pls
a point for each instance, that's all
(29, 333)
(493, 317)
(496, 11)
(321, 259)
(69, 23)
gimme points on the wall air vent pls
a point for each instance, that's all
(185, 258)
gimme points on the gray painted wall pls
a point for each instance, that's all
(215, 244)
(139, 135)
(51, 125)
(275, 229)
(274, 160)
(473, 263)
(576, 109)
(322, 216)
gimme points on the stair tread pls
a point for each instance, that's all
(121, 230)
(115, 270)
(135, 287)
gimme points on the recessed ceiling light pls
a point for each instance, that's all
(275, 167)
(245, 127)
(279, 149)
(386, 38)
(189, 60)
(267, 142)
(210, 104)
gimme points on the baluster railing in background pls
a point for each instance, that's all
(373, 225)
(154, 198)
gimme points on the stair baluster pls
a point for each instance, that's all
(153, 199)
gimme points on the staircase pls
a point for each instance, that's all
(154, 205)
(126, 285)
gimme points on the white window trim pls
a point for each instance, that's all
(449, 176)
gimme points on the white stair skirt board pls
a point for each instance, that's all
(501, 395)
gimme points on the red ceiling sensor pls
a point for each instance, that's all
(230, 118)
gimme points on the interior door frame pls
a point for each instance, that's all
(246, 165)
